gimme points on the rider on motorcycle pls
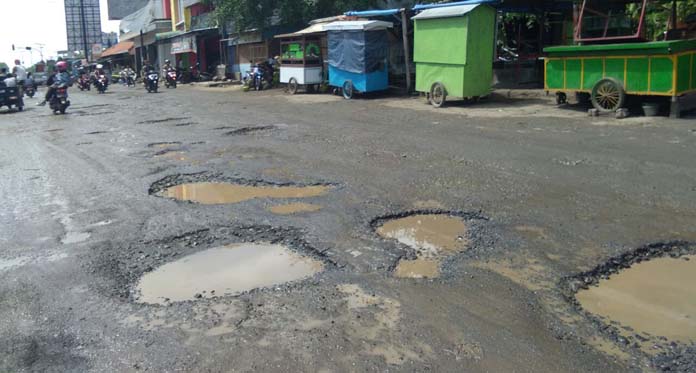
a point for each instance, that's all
(62, 77)
(99, 72)
(167, 66)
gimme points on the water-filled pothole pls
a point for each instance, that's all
(433, 237)
(227, 270)
(655, 297)
(211, 193)
(294, 208)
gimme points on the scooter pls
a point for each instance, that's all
(83, 83)
(152, 81)
(170, 81)
(59, 102)
(29, 89)
(101, 83)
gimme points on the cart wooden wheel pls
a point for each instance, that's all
(438, 95)
(608, 95)
(293, 86)
(348, 90)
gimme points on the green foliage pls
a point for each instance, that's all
(259, 14)
(659, 13)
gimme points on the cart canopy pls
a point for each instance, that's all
(446, 12)
(359, 47)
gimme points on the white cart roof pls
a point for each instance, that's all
(358, 25)
(446, 12)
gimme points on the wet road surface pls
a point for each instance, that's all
(541, 194)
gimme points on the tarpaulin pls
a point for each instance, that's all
(358, 51)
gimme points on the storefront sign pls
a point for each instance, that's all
(186, 44)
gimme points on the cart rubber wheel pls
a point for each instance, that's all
(311, 88)
(608, 95)
(293, 86)
(561, 98)
(438, 95)
(348, 90)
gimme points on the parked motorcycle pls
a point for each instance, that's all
(170, 81)
(59, 102)
(152, 81)
(101, 83)
(83, 83)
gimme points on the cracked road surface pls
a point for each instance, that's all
(558, 193)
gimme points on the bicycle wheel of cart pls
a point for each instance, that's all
(608, 95)
(438, 95)
(293, 86)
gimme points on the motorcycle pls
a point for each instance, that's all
(59, 101)
(130, 79)
(257, 78)
(101, 83)
(152, 81)
(83, 83)
(170, 81)
(10, 94)
(29, 89)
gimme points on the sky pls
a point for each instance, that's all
(37, 21)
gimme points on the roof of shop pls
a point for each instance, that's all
(120, 48)
(446, 12)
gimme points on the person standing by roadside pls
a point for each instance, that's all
(20, 74)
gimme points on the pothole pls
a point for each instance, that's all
(164, 120)
(249, 130)
(294, 208)
(656, 297)
(208, 189)
(226, 270)
(171, 154)
(433, 236)
(645, 298)
(163, 145)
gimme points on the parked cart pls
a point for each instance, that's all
(453, 51)
(302, 63)
(616, 62)
(358, 56)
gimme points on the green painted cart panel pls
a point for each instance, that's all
(593, 68)
(661, 75)
(684, 78)
(637, 74)
(456, 51)
(554, 74)
(573, 76)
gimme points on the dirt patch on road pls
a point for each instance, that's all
(249, 130)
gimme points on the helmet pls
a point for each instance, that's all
(62, 66)
(166, 61)
(100, 66)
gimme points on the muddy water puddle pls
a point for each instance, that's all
(227, 270)
(432, 236)
(227, 193)
(657, 297)
(294, 208)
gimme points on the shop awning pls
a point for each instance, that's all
(358, 25)
(120, 48)
(168, 35)
(313, 29)
(374, 13)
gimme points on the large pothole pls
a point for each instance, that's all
(214, 190)
(226, 270)
(431, 235)
(645, 299)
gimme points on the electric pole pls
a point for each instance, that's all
(84, 29)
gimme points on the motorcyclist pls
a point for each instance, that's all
(99, 72)
(61, 77)
(167, 66)
(147, 67)
(21, 74)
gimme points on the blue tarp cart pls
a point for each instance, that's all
(358, 56)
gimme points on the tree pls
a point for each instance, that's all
(260, 14)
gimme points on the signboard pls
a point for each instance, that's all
(96, 50)
(83, 24)
(185, 44)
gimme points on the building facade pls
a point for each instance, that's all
(118, 9)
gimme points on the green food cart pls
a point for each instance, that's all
(453, 51)
(609, 72)
(613, 59)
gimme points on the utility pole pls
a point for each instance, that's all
(84, 29)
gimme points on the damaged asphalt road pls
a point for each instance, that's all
(548, 195)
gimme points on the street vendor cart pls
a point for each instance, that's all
(616, 61)
(453, 51)
(358, 56)
(301, 60)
